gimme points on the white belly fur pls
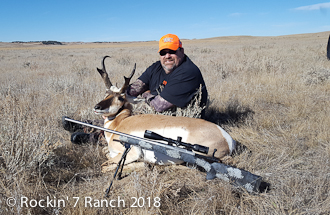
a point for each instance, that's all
(230, 141)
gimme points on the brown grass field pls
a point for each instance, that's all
(272, 94)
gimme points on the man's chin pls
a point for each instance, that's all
(168, 69)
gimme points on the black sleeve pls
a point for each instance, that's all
(147, 75)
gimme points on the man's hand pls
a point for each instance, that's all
(148, 96)
(157, 102)
(136, 88)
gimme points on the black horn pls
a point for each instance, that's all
(104, 74)
(127, 80)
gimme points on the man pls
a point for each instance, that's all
(171, 82)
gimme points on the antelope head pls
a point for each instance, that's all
(115, 99)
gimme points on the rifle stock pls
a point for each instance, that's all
(238, 177)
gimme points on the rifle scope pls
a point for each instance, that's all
(188, 146)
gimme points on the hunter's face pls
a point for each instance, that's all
(170, 59)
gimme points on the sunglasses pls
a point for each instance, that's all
(164, 52)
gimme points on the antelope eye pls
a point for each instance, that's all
(121, 99)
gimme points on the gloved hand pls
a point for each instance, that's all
(148, 96)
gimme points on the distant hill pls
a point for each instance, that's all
(50, 42)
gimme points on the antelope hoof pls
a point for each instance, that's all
(107, 163)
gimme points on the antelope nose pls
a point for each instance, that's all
(97, 107)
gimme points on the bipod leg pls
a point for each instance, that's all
(127, 148)
(121, 162)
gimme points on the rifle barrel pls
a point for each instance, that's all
(128, 135)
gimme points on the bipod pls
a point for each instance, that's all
(121, 166)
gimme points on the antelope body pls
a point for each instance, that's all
(117, 112)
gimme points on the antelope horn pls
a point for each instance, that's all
(105, 75)
(127, 80)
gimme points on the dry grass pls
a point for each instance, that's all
(272, 94)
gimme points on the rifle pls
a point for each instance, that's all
(237, 177)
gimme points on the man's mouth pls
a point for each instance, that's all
(169, 62)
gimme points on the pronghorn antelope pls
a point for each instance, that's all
(117, 112)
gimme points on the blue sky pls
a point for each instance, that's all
(101, 20)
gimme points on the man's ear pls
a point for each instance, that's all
(182, 50)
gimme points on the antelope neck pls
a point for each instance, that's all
(113, 117)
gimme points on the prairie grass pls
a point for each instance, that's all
(272, 94)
